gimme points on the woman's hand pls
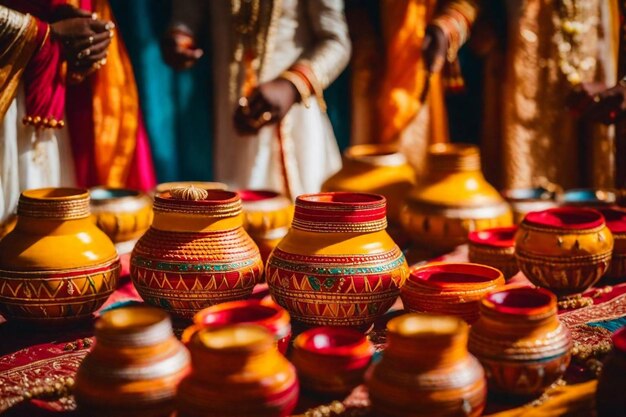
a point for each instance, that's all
(85, 40)
(179, 49)
(434, 49)
(268, 104)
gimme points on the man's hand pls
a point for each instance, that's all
(179, 49)
(434, 49)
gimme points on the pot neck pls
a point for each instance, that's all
(428, 351)
(54, 209)
(375, 155)
(445, 159)
(517, 323)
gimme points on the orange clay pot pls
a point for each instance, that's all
(237, 372)
(450, 288)
(520, 341)
(452, 200)
(378, 169)
(56, 265)
(263, 313)
(124, 215)
(331, 360)
(134, 367)
(426, 370)
(566, 249)
(337, 266)
(616, 222)
(266, 217)
(495, 248)
(196, 252)
(611, 393)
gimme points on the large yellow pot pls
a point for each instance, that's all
(379, 169)
(56, 265)
(452, 200)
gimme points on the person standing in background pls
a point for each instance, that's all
(271, 63)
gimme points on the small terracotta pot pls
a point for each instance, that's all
(565, 249)
(450, 288)
(611, 393)
(495, 248)
(526, 200)
(426, 370)
(266, 217)
(237, 372)
(520, 341)
(587, 197)
(134, 367)
(616, 222)
(124, 215)
(206, 185)
(331, 360)
(267, 314)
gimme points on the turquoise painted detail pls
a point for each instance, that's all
(319, 270)
(314, 283)
(180, 267)
(610, 325)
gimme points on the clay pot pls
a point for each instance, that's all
(495, 248)
(452, 200)
(337, 266)
(56, 265)
(134, 367)
(124, 215)
(206, 185)
(611, 393)
(267, 217)
(520, 341)
(331, 360)
(237, 372)
(587, 197)
(379, 169)
(564, 249)
(426, 370)
(615, 219)
(266, 314)
(450, 288)
(525, 200)
(196, 252)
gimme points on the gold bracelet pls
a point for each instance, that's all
(300, 84)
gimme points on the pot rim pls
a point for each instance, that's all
(234, 312)
(456, 149)
(526, 301)
(376, 154)
(427, 326)
(501, 237)
(341, 200)
(135, 325)
(459, 275)
(565, 218)
(254, 195)
(341, 342)
(206, 185)
(233, 338)
(56, 194)
(615, 218)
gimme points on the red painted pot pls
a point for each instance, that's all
(450, 288)
(616, 222)
(266, 314)
(196, 253)
(337, 266)
(520, 341)
(331, 360)
(495, 248)
(611, 393)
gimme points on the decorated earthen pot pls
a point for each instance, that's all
(615, 218)
(206, 185)
(124, 215)
(263, 313)
(134, 367)
(496, 248)
(426, 370)
(379, 169)
(450, 288)
(267, 217)
(237, 372)
(331, 360)
(56, 265)
(611, 393)
(520, 341)
(525, 200)
(337, 266)
(565, 249)
(196, 253)
(452, 200)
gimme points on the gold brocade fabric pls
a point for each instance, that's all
(540, 138)
(17, 45)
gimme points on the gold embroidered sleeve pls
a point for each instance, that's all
(456, 18)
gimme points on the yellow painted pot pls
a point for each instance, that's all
(565, 249)
(378, 169)
(266, 217)
(56, 265)
(196, 252)
(452, 200)
(124, 215)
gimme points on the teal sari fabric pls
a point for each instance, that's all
(176, 106)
